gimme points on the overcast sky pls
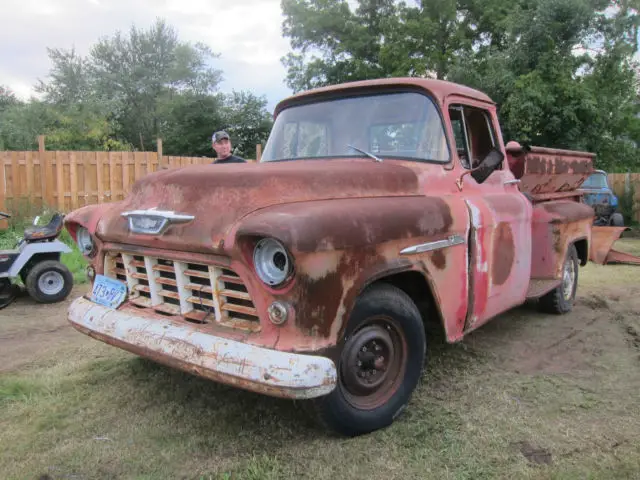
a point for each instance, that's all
(246, 34)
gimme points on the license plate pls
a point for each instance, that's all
(108, 292)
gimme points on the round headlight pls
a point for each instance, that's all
(271, 261)
(85, 242)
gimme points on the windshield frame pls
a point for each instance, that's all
(325, 97)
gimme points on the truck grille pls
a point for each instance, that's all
(198, 292)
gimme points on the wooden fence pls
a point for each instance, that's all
(622, 182)
(66, 180)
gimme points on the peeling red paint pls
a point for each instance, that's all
(346, 224)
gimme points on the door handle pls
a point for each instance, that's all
(512, 182)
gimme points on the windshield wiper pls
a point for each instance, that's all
(377, 159)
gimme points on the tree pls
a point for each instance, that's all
(143, 70)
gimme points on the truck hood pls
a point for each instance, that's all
(218, 196)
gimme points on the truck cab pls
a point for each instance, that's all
(377, 207)
(599, 195)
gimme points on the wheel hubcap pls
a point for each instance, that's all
(372, 366)
(51, 283)
(568, 279)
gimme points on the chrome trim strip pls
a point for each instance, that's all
(430, 246)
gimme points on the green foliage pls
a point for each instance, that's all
(130, 90)
(561, 71)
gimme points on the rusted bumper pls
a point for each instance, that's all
(262, 370)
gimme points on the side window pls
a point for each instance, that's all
(475, 132)
(460, 133)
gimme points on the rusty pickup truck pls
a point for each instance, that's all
(377, 207)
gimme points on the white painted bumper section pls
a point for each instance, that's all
(262, 370)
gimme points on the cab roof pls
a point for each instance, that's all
(440, 89)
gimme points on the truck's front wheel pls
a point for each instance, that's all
(380, 363)
(561, 298)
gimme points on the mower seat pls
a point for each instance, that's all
(46, 232)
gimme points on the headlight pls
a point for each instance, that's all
(84, 240)
(271, 261)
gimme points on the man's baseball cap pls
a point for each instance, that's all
(219, 136)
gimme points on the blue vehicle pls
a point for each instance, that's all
(601, 198)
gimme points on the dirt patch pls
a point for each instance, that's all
(601, 323)
(29, 331)
(535, 455)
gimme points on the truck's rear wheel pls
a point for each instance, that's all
(380, 363)
(560, 299)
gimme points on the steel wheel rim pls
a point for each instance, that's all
(373, 363)
(51, 283)
(568, 279)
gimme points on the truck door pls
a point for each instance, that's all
(500, 218)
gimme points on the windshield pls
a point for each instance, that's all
(389, 125)
(597, 180)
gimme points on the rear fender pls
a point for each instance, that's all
(32, 250)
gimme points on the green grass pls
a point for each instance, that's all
(566, 385)
(74, 260)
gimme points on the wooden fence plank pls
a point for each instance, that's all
(15, 178)
(30, 177)
(112, 176)
(3, 189)
(60, 180)
(138, 159)
(73, 175)
(49, 173)
(126, 161)
(100, 158)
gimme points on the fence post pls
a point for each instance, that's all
(3, 186)
(258, 152)
(160, 160)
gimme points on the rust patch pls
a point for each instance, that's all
(319, 299)
(503, 254)
(350, 223)
(439, 259)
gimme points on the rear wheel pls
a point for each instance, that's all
(8, 292)
(617, 220)
(49, 281)
(560, 299)
(380, 363)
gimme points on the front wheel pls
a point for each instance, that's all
(560, 299)
(380, 363)
(49, 282)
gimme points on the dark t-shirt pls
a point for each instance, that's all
(230, 159)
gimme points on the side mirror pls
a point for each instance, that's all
(488, 165)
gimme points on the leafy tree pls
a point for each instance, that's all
(561, 71)
(144, 68)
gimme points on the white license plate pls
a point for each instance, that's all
(108, 292)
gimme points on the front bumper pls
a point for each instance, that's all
(262, 370)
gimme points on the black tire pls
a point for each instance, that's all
(8, 292)
(49, 281)
(617, 220)
(560, 299)
(384, 322)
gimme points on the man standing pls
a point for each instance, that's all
(222, 145)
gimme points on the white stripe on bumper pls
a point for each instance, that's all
(274, 373)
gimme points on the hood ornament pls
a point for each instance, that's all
(153, 221)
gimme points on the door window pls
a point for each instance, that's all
(473, 134)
